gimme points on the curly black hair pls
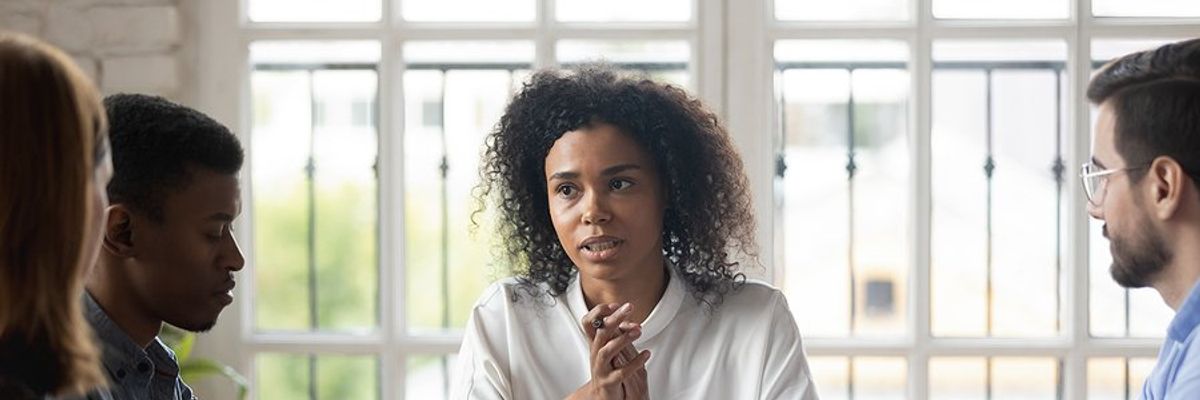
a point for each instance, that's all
(155, 143)
(708, 227)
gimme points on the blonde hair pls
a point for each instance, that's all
(51, 140)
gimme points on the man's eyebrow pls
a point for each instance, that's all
(220, 216)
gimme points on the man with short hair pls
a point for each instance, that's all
(1142, 182)
(169, 254)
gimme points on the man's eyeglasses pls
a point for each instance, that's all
(1095, 181)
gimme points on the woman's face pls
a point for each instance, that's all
(606, 202)
(98, 213)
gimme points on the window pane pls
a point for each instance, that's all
(1024, 378)
(1107, 379)
(281, 230)
(958, 378)
(467, 10)
(1149, 316)
(970, 378)
(623, 10)
(1027, 199)
(880, 378)
(1011, 9)
(314, 10)
(300, 376)
(1116, 378)
(345, 150)
(850, 10)
(845, 187)
(860, 378)
(314, 142)
(428, 377)
(1115, 311)
(449, 107)
(997, 167)
(816, 199)
(1146, 8)
(665, 61)
(831, 375)
(1140, 368)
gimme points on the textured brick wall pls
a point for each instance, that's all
(125, 45)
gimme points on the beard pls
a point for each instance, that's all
(1139, 257)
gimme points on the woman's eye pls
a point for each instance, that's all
(566, 190)
(619, 184)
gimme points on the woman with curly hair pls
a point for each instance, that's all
(624, 216)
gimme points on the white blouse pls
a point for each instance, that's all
(534, 348)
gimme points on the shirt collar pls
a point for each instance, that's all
(120, 352)
(658, 319)
(1187, 317)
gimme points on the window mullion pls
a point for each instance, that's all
(544, 39)
(708, 53)
(1079, 59)
(390, 181)
(920, 109)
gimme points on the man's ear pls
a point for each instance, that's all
(1167, 180)
(118, 231)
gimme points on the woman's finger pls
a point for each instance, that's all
(627, 372)
(635, 388)
(610, 350)
(627, 353)
(599, 311)
(614, 322)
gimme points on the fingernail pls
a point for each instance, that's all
(627, 306)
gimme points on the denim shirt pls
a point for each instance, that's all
(133, 372)
(1177, 375)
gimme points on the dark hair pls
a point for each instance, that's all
(155, 143)
(1155, 98)
(708, 225)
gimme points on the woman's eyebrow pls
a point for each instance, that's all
(563, 175)
(616, 169)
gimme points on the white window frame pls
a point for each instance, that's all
(732, 69)
(749, 111)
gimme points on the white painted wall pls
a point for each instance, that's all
(125, 45)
